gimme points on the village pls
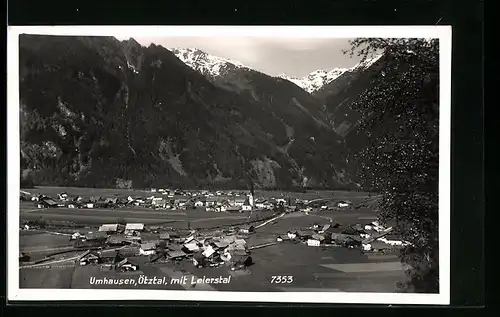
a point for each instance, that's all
(126, 246)
(164, 199)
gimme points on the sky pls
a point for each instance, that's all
(295, 57)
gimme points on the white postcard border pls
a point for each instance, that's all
(13, 149)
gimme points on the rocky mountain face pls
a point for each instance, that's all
(98, 112)
(338, 95)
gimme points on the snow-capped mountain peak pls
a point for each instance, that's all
(203, 62)
(318, 78)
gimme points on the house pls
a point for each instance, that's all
(352, 241)
(283, 238)
(291, 234)
(88, 257)
(47, 203)
(344, 203)
(233, 209)
(199, 203)
(239, 201)
(393, 240)
(240, 261)
(209, 251)
(191, 247)
(126, 265)
(109, 227)
(379, 246)
(62, 196)
(89, 205)
(147, 249)
(315, 240)
(133, 228)
(117, 240)
(211, 201)
(165, 236)
(111, 201)
(354, 230)
(305, 234)
(260, 203)
(247, 229)
(176, 255)
(100, 235)
(237, 244)
(95, 199)
(219, 245)
(75, 236)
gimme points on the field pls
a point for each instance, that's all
(312, 268)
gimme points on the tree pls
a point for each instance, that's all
(400, 116)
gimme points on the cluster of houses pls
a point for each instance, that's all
(173, 200)
(371, 237)
(204, 249)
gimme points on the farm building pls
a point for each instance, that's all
(117, 240)
(100, 235)
(240, 261)
(47, 203)
(126, 265)
(147, 249)
(133, 228)
(89, 257)
(111, 228)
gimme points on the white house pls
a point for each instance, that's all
(291, 235)
(313, 243)
(342, 205)
(198, 203)
(246, 207)
(147, 249)
(109, 227)
(131, 228)
(89, 205)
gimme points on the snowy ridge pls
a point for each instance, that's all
(317, 79)
(205, 63)
(215, 66)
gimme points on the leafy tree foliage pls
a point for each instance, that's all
(400, 117)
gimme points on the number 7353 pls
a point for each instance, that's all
(281, 279)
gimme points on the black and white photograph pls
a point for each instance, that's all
(269, 164)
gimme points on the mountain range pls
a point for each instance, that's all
(100, 112)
